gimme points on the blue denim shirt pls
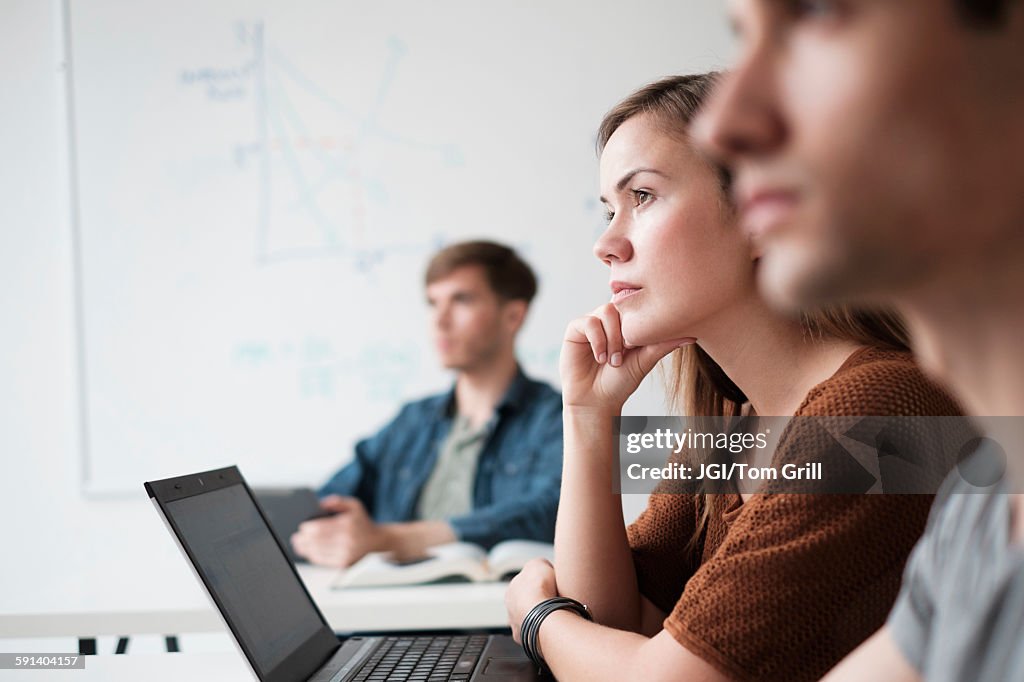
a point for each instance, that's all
(518, 475)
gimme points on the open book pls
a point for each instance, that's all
(455, 562)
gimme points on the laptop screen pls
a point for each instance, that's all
(249, 577)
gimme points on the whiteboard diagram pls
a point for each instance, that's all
(316, 188)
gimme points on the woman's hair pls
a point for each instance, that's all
(984, 14)
(697, 385)
(672, 103)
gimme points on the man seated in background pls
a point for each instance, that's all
(481, 463)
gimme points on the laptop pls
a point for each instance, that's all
(244, 568)
(285, 509)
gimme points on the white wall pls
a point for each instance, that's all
(46, 525)
(38, 493)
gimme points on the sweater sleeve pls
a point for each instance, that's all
(663, 556)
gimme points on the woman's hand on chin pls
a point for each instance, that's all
(598, 370)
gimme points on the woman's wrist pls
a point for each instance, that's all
(543, 612)
(591, 428)
(551, 623)
(591, 413)
(588, 434)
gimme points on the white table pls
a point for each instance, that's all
(227, 667)
(184, 610)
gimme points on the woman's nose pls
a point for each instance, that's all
(613, 245)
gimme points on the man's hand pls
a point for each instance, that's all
(340, 540)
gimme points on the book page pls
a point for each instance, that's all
(458, 560)
(511, 555)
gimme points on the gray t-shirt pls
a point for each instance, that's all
(449, 490)
(960, 613)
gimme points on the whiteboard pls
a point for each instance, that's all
(259, 186)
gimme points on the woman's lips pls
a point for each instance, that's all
(621, 293)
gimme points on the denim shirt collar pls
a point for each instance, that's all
(514, 399)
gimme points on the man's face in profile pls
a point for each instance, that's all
(874, 143)
(468, 319)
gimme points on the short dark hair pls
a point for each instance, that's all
(508, 274)
(982, 13)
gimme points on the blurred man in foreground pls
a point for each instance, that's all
(877, 148)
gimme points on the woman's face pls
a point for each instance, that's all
(677, 261)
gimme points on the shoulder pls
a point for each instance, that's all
(538, 387)
(546, 393)
(876, 382)
(962, 505)
(428, 406)
(963, 522)
(541, 395)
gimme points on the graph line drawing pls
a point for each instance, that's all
(318, 192)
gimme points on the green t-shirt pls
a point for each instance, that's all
(448, 492)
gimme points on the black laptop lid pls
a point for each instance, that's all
(245, 570)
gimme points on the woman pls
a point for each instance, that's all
(723, 586)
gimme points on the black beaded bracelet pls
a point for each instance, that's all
(530, 628)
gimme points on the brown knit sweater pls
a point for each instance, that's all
(784, 586)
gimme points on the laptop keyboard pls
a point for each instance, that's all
(423, 659)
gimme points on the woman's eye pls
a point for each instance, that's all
(816, 9)
(641, 197)
(609, 216)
